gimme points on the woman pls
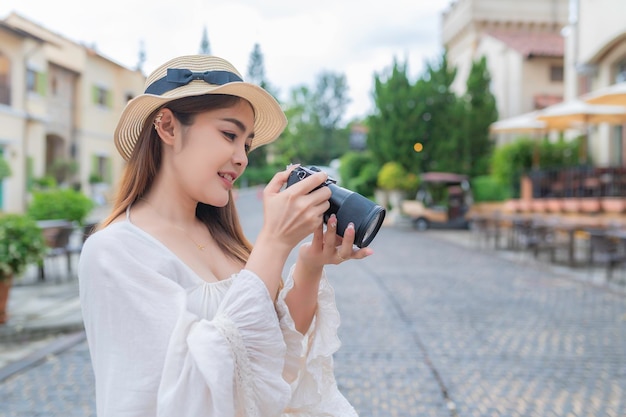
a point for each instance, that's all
(183, 317)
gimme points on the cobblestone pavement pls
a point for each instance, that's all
(436, 329)
(432, 328)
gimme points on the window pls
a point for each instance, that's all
(31, 80)
(35, 82)
(101, 170)
(620, 71)
(101, 96)
(556, 73)
(5, 80)
(54, 86)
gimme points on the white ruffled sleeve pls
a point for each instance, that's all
(309, 360)
(153, 357)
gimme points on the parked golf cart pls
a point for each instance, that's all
(442, 201)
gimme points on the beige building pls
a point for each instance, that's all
(596, 58)
(59, 103)
(541, 52)
(522, 43)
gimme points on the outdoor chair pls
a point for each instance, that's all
(57, 239)
(76, 245)
(484, 230)
(606, 251)
(538, 237)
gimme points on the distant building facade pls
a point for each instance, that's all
(541, 52)
(59, 104)
(522, 43)
(595, 41)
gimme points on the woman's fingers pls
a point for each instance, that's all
(346, 250)
(297, 211)
(318, 236)
(278, 180)
(310, 184)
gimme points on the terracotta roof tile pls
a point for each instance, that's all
(531, 44)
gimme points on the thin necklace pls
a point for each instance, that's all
(199, 246)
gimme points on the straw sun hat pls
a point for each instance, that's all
(195, 75)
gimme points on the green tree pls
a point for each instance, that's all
(480, 112)
(297, 141)
(440, 118)
(205, 46)
(256, 75)
(256, 70)
(329, 106)
(392, 126)
(314, 135)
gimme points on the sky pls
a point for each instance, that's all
(299, 40)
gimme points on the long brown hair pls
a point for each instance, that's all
(145, 162)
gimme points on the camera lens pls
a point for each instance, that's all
(366, 215)
(372, 228)
(348, 206)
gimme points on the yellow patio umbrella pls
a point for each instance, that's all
(569, 114)
(612, 95)
(578, 113)
(524, 123)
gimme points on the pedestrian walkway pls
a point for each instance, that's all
(41, 311)
(595, 275)
(432, 325)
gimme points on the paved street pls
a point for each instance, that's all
(430, 327)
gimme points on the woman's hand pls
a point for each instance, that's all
(296, 212)
(289, 216)
(329, 248)
(325, 248)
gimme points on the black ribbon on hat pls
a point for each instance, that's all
(177, 77)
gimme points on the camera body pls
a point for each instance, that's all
(348, 206)
(300, 173)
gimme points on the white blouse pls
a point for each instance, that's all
(164, 342)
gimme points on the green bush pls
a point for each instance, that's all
(21, 243)
(510, 161)
(60, 203)
(95, 178)
(352, 163)
(257, 175)
(44, 183)
(392, 176)
(5, 169)
(365, 182)
(359, 172)
(489, 188)
(411, 183)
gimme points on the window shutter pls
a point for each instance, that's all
(94, 94)
(42, 83)
(94, 165)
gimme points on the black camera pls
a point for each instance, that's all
(348, 206)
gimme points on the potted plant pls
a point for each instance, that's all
(21, 244)
(60, 204)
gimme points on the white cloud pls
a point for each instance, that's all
(298, 40)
